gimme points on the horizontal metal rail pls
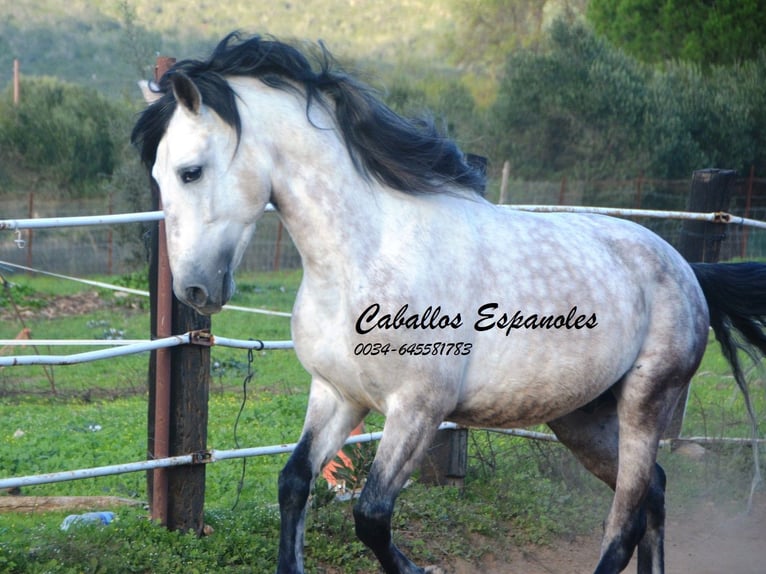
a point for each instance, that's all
(203, 457)
(216, 455)
(81, 220)
(713, 217)
(69, 342)
(147, 216)
(132, 347)
(77, 358)
(87, 220)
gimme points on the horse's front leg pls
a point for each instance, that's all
(329, 420)
(406, 436)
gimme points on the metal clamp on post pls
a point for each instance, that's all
(201, 337)
(721, 217)
(202, 457)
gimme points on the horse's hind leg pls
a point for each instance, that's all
(644, 405)
(592, 434)
(651, 549)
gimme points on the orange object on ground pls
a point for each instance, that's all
(340, 461)
(24, 334)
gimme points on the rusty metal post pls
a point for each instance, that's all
(160, 284)
(164, 326)
(179, 385)
(506, 174)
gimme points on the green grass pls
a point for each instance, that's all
(716, 407)
(516, 491)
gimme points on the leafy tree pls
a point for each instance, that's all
(709, 118)
(577, 108)
(486, 31)
(701, 31)
(581, 107)
(60, 129)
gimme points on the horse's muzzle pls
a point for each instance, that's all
(205, 301)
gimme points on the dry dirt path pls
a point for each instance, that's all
(699, 540)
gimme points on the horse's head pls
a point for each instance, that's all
(211, 192)
(223, 136)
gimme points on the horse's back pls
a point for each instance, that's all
(525, 316)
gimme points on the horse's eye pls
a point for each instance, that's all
(191, 174)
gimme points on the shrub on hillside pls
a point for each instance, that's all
(59, 129)
(580, 107)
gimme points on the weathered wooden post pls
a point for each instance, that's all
(178, 401)
(16, 82)
(446, 460)
(506, 174)
(711, 191)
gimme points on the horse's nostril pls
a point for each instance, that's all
(196, 295)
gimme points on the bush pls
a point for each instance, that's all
(575, 108)
(59, 129)
(583, 108)
(443, 96)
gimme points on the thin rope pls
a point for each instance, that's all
(245, 382)
(140, 292)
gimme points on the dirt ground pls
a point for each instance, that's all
(699, 540)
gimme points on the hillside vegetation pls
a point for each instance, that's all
(526, 81)
(94, 47)
(105, 44)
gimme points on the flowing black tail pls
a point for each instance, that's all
(736, 296)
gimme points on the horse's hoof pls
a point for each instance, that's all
(433, 570)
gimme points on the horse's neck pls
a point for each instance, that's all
(322, 199)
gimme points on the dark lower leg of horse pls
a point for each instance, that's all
(401, 448)
(644, 529)
(637, 514)
(651, 549)
(373, 528)
(617, 554)
(294, 488)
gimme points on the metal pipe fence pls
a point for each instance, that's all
(122, 348)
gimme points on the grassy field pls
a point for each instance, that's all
(517, 492)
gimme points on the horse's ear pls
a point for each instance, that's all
(150, 96)
(186, 92)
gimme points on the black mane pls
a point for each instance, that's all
(406, 154)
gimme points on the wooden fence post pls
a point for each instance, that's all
(711, 191)
(181, 504)
(446, 460)
(506, 175)
(16, 82)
